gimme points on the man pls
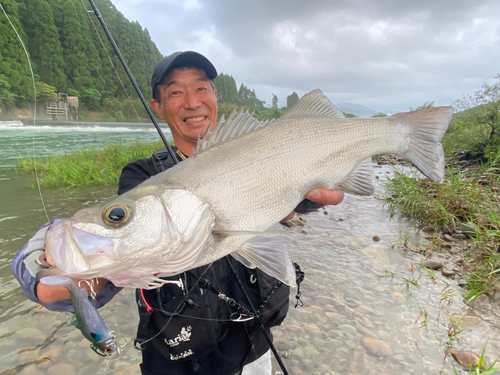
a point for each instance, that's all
(191, 330)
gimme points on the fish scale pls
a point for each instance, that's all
(223, 199)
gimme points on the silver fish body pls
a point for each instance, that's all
(87, 319)
(243, 178)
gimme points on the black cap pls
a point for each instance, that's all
(178, 60)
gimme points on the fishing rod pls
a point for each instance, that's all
(132, 79)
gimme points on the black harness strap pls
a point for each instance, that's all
(257, 318)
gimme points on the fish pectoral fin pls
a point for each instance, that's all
(270, 255)
(242, 260)
(228, 233)
(360, 181)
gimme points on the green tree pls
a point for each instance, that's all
(43, 42)
(423, 106)
(483, 111)
(45, 93)
(380, 114)
(274, 102)
(13, 62)
(7, 97)
(82, 64)
(292, 99)
(226, 89)
(91, 98)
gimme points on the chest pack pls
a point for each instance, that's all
(185, 323)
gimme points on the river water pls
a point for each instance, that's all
(364, 300)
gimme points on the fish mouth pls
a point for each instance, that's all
(73, 249)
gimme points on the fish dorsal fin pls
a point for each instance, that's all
(313, 104)
(360, 181)
(237, 125)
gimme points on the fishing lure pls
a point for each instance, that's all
(86, 319)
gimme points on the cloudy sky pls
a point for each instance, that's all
(385, 54)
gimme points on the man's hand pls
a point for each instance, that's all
(54, 293)
(320, 196)
(325, 196)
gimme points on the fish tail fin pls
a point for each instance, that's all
(427, 129)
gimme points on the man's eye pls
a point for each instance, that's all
(202, 88)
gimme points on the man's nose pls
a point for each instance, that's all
(192, 101)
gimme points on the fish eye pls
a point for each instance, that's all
(117, 214)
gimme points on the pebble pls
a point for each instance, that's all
(130, 370)
(467, 321)
(315, 309)
(433, 264)
(467, 359)
(376, 238)
(62, 368)
(447, 237)
(376, 347)
(312, 328)
(427, 229)
(363, 309)
(447, 273)
(346, 328)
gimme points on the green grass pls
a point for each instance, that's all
(467, 197)
(87, 167)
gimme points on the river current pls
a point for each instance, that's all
(368, 306)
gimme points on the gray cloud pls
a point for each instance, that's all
(386, 55)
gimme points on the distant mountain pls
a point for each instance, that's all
(356, 109)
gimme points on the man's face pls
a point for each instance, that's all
(189, 104)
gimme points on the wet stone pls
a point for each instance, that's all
(447, 273)
(29, 333)
(376, 238)
(399, 296)
(433, 264)
(315, 309)
(363, 309)
(62, 368)
(467, 321)
(467, 359)
(312, 328)
(31, 370)
(447, 237)
(376, 347)
(29, 355)
(346, 328)
(130, 370)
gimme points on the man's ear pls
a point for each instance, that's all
(157, 107)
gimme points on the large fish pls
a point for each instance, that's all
(243, 178)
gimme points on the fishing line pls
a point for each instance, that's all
(178, 307)
(132, 80)
(110, 61)
(34, 111)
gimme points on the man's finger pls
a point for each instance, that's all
(325, 196)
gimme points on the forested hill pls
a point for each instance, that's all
(66, 52)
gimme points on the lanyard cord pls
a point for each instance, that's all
(257, 318)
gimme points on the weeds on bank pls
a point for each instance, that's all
(85, 167)
(470, 196)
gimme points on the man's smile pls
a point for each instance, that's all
(195, 119)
